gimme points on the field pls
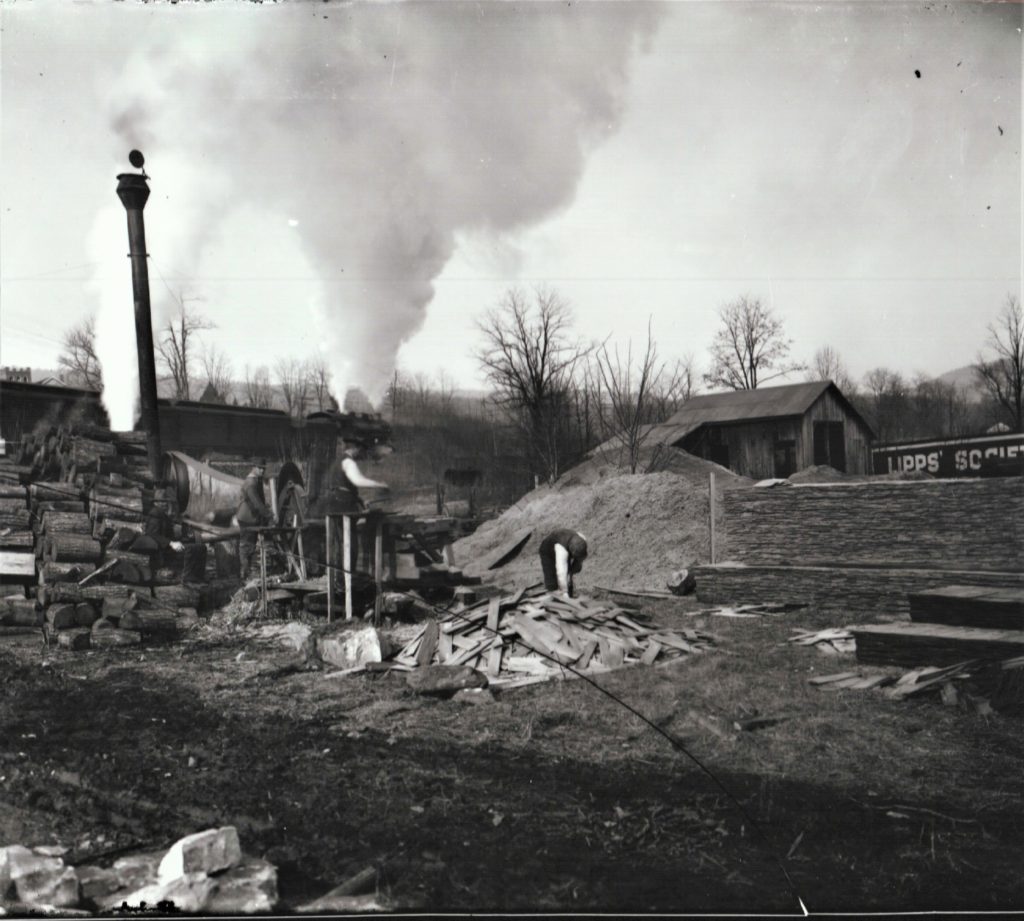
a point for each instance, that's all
(548, 798)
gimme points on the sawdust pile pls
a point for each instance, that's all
(640, 527)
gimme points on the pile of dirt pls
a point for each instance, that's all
(819, 473)
(639, 527)
(607, 461)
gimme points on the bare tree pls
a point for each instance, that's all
(397, 396)
(320, 382)
(293, 379)
(1003, 375)
(176, 345)
(445, 392)
(529, 359)
(259, 393)
(674, 386)
(78, 359)
(217, 371)
(750, 348)
(889, 403)
(827, 365)
(630, 387)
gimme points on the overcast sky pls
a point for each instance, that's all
(367, 179)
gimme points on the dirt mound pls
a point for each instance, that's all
(639, 527)
(819, 473)
(655, 458)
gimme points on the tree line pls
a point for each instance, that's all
(554, 397)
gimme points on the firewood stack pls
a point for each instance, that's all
(73, 503)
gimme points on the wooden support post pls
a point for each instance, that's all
(329, 567)
(449, 554)
(711, 515)
(378, 571)
(392, 552)
(346, 536)
(263, 573)
(273, 498)
(302, 549)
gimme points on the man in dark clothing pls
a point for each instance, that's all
(252, 512)
(562, 554)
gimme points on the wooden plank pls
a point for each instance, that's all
(588, 654)
(444, 647)
(494, 657)
(429, 644)
(651, 653)
(827, 679)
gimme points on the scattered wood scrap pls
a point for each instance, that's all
(758, 610)
(832, 641)
(535, 636)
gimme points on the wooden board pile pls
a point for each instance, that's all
(833, 641)
(74, 558)
(982, 684)
(970, 606)
(527, 637)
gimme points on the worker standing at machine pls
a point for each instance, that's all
(350, 479)
(562, 554)
(252, 513)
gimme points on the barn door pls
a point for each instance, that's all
(830, 444)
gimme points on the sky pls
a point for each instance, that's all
(364, 181)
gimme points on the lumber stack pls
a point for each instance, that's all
(845, 593)
(933, 644)
(969, 606)
(17, 542)
(530, 636)
(916, 524)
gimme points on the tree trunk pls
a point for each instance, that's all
(55, 523)
(72, 548)
(52, 573)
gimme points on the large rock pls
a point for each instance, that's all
(204, 852)
(187, 893)
(349, 650)
(682, 582)
(445, 680)
(300, 638)
(17, 861)
(50, 886)
(245, 889)
(97, 882)
(136, 870)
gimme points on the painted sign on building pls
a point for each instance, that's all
(983, 455)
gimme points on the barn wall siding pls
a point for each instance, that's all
(828, 408)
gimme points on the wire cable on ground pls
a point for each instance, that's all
(672, 740)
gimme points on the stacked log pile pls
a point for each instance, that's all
(74, 558)
(530, 636)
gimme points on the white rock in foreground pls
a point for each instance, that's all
(186, 894)
(348, 650)
(204, 852)
(248, 888)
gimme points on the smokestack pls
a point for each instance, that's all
(133, 191)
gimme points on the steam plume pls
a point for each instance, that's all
(386, 130)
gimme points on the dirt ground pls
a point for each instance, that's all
(549, 798)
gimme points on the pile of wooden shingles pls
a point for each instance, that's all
(528, 636)
(66, 558)
(967, 635)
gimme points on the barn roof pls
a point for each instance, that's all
(745, 406)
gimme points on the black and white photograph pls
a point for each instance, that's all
(511, 457)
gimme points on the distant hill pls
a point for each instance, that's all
(965, 379)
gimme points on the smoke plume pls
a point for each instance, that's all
(385, 130)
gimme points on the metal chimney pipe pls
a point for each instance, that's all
(133, 191)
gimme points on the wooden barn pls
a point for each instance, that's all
(772, 431)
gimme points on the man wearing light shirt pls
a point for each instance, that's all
(562, 554)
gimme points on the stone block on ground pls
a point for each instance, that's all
(445, 680)
(203, 852)
(97, 882)
(136, 870)
(300, 638)
(57, 886)
(348, 650)
(245, 889)
(17, 861)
